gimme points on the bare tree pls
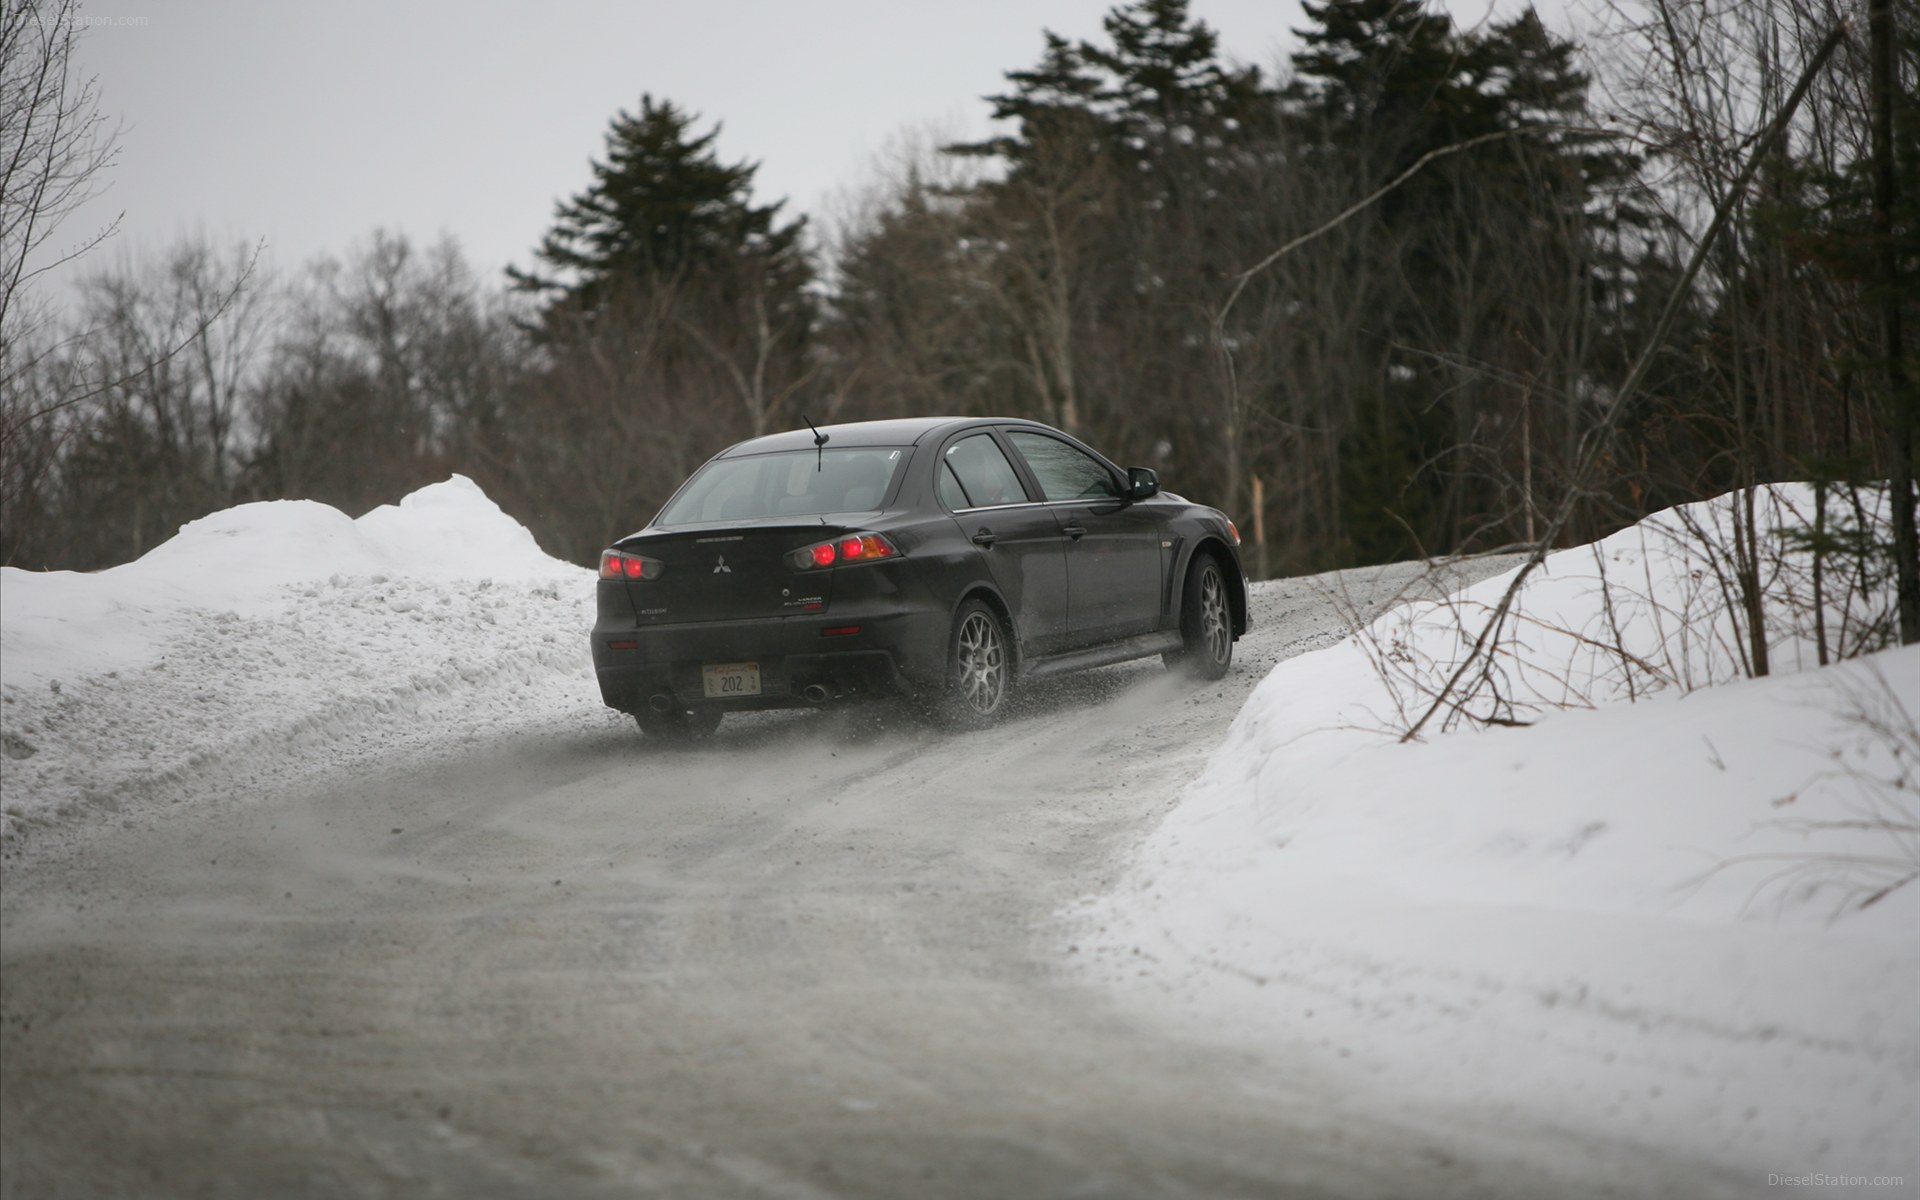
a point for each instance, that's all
(62, 382)
(1472, 684)
(737, 321)
(606, 429)
(952, 297)
(139, 411)
(392, 368)
(54, 147)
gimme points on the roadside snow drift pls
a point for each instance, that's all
(1680, 921)
(279, 638)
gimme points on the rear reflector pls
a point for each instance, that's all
(623, 645)
(839, 631)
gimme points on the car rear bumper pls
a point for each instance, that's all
(801, 660)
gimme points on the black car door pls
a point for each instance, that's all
(1019, 537)
(1113, 547)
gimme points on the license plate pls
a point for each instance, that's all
(724, 681)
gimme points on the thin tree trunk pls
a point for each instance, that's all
(1819, 574)
(1906, 545)
(1624, 395)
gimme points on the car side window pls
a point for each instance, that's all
(982, 469)
(951, 493)
(1065, 473)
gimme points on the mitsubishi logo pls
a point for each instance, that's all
(721, 568)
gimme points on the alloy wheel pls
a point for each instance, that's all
(1215, 632)
(982, 663)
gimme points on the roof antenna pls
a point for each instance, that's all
(819, 443)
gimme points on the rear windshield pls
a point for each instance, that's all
(794, 483)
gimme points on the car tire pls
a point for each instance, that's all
(678, 724)
(979, 681)
(1206, 623)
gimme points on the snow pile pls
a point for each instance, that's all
(1651, 608)
(1675, 921)
(277, 638)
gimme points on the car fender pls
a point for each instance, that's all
(1212, 543)
(986, 589)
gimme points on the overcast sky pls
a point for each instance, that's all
(311, 125)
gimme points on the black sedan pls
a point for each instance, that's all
(941, 559)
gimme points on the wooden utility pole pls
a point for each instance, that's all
(1259, 529)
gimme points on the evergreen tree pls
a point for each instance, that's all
(1159, 85)
(676, 320)
(1052, 104)
(1384, 67)
(661, 206)
(912, 333)
(1486, 271)
(1166, 87)
(1111, 222)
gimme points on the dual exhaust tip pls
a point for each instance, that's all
(813, 693)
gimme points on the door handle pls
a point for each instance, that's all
(984, 539)
(1076, 532)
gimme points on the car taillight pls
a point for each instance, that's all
(1234, 530)
(616, 564)
(852, 548)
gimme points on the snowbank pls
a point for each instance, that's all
(1666, 921)
(280, 637)
(1638, 921)
(1653, 608)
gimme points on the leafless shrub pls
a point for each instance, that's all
(1651, 609)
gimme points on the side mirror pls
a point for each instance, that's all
(1141, 483)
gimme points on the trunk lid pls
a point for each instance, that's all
(736, 572)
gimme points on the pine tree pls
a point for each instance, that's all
(1382, 66)
(1053, 103)
(1489, 271)
(1166, 85)
(1159, 85)
(661, 206)
(1111, 221)
(675, 320)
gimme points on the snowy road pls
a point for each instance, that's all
(817, 955)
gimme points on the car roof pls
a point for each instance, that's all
(904, 431)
